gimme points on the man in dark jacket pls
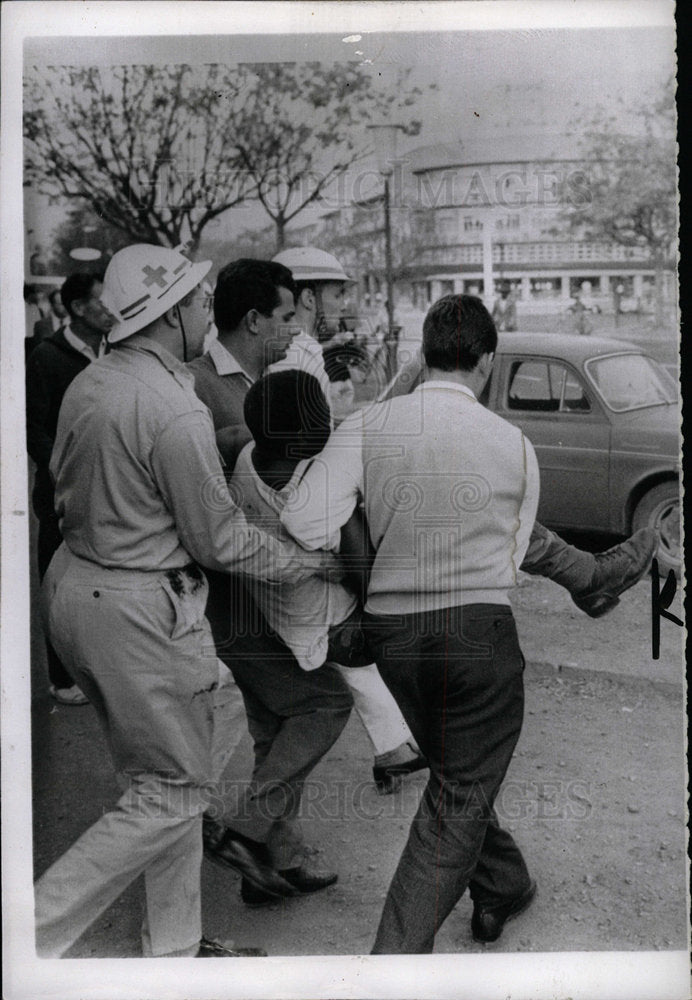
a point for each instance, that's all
(51, 368)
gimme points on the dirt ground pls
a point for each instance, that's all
(595, 796)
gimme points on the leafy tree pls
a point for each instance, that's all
(145, 146)
(628, 194)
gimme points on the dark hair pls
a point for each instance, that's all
(287, 414)
(29, 290)
(457, 331)
(77, 287)
(247, 284)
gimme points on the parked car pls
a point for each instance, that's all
(603, 417)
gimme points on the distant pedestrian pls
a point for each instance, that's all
(54, 321)
(34, 312)
(505, 310)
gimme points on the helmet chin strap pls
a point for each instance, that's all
(320, 318)
(182, 330)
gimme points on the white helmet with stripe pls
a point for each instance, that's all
(143, 281)
(311, 264)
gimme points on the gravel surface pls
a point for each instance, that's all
(595, 796)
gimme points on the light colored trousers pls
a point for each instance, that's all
(378, 711)
(140, 648)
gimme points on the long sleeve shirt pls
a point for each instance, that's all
(450, 492)
(139, 483)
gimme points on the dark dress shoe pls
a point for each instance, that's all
(388, 777)
(215, 949)
(250, 858)
(488, 921)
(302, 879)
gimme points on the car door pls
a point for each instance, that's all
(559, 413)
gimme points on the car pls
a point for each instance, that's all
(604, 419)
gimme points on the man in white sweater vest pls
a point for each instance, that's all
(450, 492)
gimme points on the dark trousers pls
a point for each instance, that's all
(294, 717)
(49, 541)
(457, 675)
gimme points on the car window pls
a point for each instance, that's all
(631, 381)
(545, 386)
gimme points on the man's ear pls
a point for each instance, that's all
(251, 320)
(307, 299)
(171, 318)
(485, 363)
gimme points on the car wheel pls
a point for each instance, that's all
(660, 509)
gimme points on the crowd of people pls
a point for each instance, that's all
(223, 535)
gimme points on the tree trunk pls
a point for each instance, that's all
(280, 233)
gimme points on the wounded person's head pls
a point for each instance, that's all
(288, 415)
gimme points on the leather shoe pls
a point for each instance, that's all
(250, 858)
(488, 921)
(215, 949)
(615, 571)
(302, 879)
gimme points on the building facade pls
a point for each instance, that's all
(486, 215)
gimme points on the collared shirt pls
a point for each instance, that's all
(139, 483)
(222, 384)
(225, 362)
(79, 345)
(450, 492)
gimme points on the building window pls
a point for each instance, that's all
(504, 222)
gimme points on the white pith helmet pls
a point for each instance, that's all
(311, 264)
(143, 281)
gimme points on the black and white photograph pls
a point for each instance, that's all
(342, 627)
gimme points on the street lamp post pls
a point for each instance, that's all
(386, 157)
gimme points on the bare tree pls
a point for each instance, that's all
(147, 147)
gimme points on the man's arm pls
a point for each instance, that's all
(357, 554)
(210, 526)
(529, 502)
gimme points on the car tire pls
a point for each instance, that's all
(660, 509)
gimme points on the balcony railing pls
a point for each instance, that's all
(572, 252)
